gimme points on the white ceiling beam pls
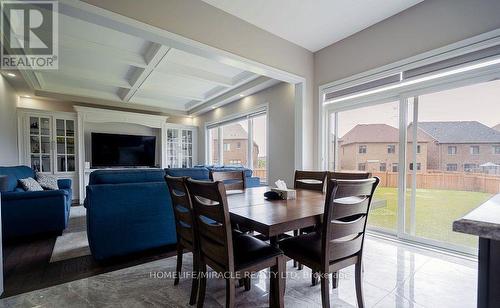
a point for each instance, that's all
(73, 73)
(180, 70)
(82, 92)
(153, 56)
(170, 92)
(80, 46)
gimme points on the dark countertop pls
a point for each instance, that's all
(484, 221)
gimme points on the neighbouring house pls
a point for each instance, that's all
(235, 145)
(375, 148)
(466, 146)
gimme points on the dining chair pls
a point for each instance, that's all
(342, 175)
(186, 240)
(339, 242)
(235, 256)
(233, 180)
(311, 180)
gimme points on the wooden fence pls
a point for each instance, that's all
(446, 180)
(261, 173)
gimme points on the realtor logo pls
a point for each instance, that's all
(29, 35)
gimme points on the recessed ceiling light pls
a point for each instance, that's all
(27, 96)
(213, 107)
(241, 95)
(11, 75)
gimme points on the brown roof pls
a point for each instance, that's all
(363, 133)
(377, 133)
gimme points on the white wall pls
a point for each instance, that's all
(204, 23)
(426, 26)
(280, 99)
(9, 154)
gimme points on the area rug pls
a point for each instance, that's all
(73, 242)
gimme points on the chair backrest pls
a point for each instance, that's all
(312, 180)
(334, 175)
(233, 180)
(183, 212)
(346, 212)
(212, 223)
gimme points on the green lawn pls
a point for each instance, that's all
(436, 211)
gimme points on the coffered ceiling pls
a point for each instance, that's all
(103, 63)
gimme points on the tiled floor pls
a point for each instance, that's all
(396, 275)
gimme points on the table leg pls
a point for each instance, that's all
(273, 240)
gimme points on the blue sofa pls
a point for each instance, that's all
(30, 213)
(130, 211)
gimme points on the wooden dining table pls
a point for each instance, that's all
(251, 210)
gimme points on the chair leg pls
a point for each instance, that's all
(295, 233)
(358, 273)
(203, 285)
(325, 290)
(335, 280)
(195, 282)
(247, 281)
(277, 283)
(230, 292)
(179, 264)
(314, 278)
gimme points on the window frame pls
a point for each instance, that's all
(452, 152)
(364, 147)
(234, 118)
(391, 149)
(472, 147)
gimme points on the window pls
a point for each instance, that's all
(213, 143)
(383, 167)
(394, 167)
(362, 149)
(418, 166)
(452, 150)
(474, 150)
(418, 149)
(496, 149)
(240, 141)
(451, 167)
(362, 167)
(470, 167)
(391, 149)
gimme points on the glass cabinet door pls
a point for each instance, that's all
(65, 145)
(172, 148)
(179, 148)
(40, 143)
(187, 148)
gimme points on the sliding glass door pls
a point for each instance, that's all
(368, 141)
(437, 155)
(459, 154)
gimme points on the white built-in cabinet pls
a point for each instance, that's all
(47, 143)
(181, 146)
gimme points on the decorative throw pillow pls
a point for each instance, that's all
(47, 181)
(29, 184)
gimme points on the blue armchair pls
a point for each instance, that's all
(30, 213)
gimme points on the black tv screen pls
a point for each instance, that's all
(113, 150)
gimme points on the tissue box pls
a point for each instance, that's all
(286, 194)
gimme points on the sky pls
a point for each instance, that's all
(478, 102)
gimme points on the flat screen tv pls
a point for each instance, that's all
(113, 150)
